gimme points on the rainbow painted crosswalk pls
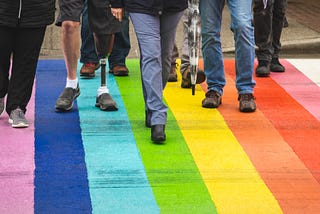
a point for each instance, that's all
(214, 160)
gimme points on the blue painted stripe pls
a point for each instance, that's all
(61, 183)
(117, 178)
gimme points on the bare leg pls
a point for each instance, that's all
(70, 47)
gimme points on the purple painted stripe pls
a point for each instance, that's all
(17, 164)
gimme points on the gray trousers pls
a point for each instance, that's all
(156, 36)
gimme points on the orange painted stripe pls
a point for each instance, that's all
(292, 184)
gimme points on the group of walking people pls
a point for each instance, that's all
(23, 24)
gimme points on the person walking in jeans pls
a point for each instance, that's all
(120, 50)
(268, 23)
(242, 27)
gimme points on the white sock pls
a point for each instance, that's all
(72, 83)
(102, 90)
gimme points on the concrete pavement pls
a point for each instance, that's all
(302, 37)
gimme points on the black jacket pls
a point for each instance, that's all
(153, 7)
(26, 13)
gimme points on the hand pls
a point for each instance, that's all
(118, 13)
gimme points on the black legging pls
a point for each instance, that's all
(24, 45)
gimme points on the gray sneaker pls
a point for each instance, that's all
(66, 98)
(1, 105)
(106, 103)
(17, 119)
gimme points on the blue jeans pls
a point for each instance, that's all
(156, 37)
(121, 46)
(87, 50)
(242, 27)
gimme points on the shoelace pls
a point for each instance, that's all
(212, 94)
(246, 97)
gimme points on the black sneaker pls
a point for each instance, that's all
(275, 65)
(247, 103)
(1, 105)
(106, 103)
(263, 69)
(213, 100)
(66, 98)
(17, 119)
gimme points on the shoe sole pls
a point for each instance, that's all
(19, 125)
(159, 140)
(262, 75)
(120, 74)
(107, 108)
(211, 105)
(88, 75)
(247, 110)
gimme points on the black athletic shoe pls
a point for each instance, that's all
(66, 98)
(106, 103)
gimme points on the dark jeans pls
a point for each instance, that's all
(268, 24)
(121, 45)
(24, 45)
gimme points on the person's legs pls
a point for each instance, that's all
(173, 73)
(168, 28)
(211, 16)
(263, 36)
(6, 44)
(279, 8)
(69, 19)
(121, 49)
(88, 54)
(103, 25)
(26, 51)
(147, 29)
(241, 25)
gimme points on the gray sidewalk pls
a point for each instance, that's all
(302, 37)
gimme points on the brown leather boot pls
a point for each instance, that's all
(88, 69)
(119, 70)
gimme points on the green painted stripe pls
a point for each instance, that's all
(171, 170)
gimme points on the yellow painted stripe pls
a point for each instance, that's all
(232, 181)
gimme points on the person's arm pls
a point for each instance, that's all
(117, 9)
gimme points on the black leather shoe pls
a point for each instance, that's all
(157, 133)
